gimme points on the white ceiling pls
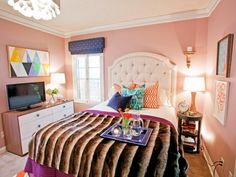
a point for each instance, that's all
(86, 16)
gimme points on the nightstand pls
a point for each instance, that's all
(189, 127)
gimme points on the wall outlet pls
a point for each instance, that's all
(2, 134)
(230, 174)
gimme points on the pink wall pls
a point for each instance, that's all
(169, 39)
(221, 139)
(14, 34)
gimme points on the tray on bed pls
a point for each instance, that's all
(138, 140)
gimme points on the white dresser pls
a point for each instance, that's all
(19, 126)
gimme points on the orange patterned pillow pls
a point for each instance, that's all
(132, 86)
(150, 96)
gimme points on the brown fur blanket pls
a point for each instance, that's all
(73, 146)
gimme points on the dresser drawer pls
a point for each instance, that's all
(63, 107)
(26, 119)
(25, 145)
(27, 130)
(20, 126)
(64, 113)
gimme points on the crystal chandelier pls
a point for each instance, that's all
(38, 9)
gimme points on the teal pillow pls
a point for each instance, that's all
(137, 96)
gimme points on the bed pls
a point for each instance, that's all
(73, 147)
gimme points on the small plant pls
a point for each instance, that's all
(52, 93)
(125, 117)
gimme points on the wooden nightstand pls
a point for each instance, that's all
(189, 127)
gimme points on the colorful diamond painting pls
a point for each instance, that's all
(28, 62)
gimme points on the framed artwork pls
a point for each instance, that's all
(221, 100)
(224, 55)
(27, 62)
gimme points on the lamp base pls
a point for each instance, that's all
(193, 107)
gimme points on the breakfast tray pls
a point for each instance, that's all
(140, 140)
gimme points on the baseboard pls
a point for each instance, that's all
(209, 161)
(2, 149)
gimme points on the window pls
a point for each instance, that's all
(88, 78)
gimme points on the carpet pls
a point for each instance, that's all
(22, 174)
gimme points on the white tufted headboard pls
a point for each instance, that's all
(144, 68)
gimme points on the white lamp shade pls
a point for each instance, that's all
(194, 84)
(58, 78)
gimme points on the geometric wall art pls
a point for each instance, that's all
(27, 62)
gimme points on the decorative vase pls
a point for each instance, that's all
(137, 125)
(53, 99)
(126, 129)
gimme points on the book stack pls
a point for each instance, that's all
(189, 134)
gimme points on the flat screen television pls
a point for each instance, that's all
(24, 95)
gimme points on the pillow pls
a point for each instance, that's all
(150, 99)
(164, 98)
(117, 88)
(137, 96)
(117, 101)
(132, 86)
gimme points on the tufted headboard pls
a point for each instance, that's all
(144, 68)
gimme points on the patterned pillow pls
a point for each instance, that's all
(118, 88)
(137, 96)
(150, 99)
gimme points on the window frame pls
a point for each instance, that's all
(75, 83)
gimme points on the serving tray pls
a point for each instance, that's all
(140, 140)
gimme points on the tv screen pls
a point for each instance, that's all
(26, 94)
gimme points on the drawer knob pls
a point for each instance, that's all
(37, 115)
(64, 106)
(39, 126)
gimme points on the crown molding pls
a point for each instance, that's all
(188, 15)
(28, 23)
(212, 5)
(195, 14)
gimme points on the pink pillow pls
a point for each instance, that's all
(150, 96)
(117, 88)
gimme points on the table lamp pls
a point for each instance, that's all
(56, 80)
(194, 85)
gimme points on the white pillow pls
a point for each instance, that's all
(164, 98)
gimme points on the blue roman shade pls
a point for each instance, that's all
(87, 46)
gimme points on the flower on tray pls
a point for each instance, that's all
(125, 117)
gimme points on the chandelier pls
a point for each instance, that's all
(38, 9)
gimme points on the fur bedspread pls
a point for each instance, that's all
(74, 147)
